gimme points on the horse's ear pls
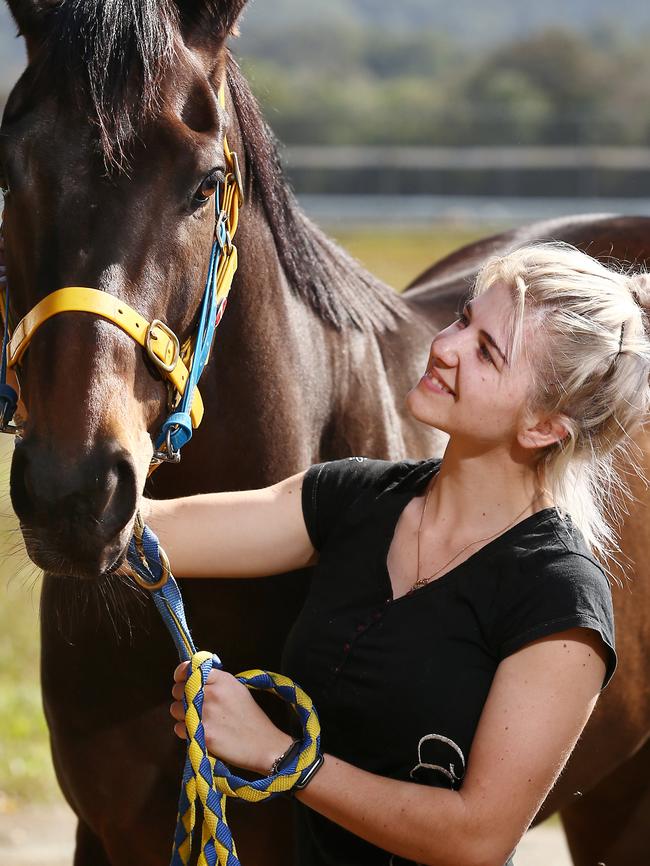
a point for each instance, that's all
(207, 22)
(31, 16)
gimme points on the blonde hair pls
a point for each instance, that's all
(590, 361)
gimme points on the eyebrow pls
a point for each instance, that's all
(467, 308)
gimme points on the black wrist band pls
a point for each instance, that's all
(308, 774)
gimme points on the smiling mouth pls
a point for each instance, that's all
(431, 374)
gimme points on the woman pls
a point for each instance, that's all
(458, 628)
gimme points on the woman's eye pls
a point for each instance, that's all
(208, 187)
(485, 352)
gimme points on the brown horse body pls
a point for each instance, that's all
(311, 362)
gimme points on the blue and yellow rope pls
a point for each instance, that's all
(205, 777)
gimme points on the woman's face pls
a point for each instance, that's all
(488, 402)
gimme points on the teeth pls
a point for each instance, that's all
(438, 382)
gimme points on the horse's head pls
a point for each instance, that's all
(111, 146)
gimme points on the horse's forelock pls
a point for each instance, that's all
(113, 57)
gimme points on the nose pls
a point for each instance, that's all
(445, 347)
(75, 509)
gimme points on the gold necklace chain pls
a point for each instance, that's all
(422, 581)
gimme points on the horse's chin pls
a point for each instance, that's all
(66, 563)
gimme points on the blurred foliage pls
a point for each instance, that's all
(338, 84)
(427, 72)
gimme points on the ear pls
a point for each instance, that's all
(206, 24)
(543, 432)
(31, 16)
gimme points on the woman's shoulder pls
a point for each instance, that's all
(362, 473)
(551, 583)
(337, 490)
(554, 546)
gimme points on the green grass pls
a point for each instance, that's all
(398, 257)
(25, 767)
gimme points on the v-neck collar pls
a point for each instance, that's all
(410, 486)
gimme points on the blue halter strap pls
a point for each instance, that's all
(8, 396)
(178, 425)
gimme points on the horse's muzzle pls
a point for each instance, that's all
(74, 513)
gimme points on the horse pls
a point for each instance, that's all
(106, 143)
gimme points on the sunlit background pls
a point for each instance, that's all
(407, 129)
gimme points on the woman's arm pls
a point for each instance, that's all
(539, 702)
(245, 534)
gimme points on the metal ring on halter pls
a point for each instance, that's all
(10, 428)
(223, 221)
(237, 174)
(138, 531)
(7, 426)
(169, 455)
(166, 571)
(168, 367)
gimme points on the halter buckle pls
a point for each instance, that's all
(166, 367)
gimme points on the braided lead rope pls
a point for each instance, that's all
(205, 776)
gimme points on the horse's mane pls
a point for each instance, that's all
(113, 57)
(325, 276)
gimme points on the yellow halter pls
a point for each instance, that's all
(160, 342)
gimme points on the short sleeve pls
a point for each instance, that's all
(554, 593)
(330, 489)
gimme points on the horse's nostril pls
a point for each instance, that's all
(84, 504)
(22, 490)
(120, 495)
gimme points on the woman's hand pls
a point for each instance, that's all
(236, 729)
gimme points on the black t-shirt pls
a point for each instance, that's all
(399, 685)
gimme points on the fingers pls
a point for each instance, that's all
(177, 711)
(180, 674)
(180, 678)
(178, 691)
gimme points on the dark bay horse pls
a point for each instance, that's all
(105, 141)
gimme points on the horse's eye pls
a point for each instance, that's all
(208, 187)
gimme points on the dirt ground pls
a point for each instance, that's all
(43, 836)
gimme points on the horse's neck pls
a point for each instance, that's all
(285, 388)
